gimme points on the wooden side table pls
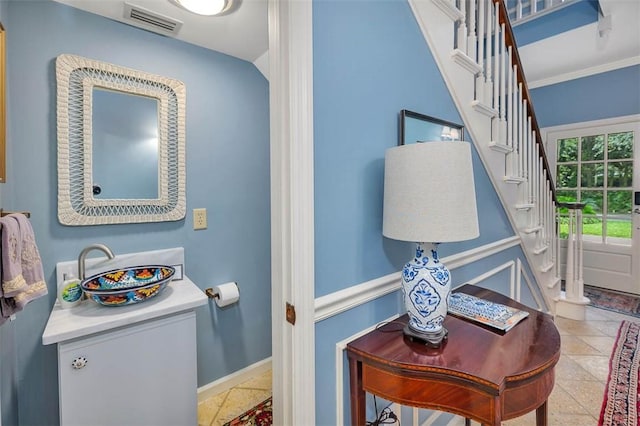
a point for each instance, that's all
(479, 373)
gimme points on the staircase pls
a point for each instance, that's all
(473, 45)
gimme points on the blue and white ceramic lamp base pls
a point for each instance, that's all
(426, 284)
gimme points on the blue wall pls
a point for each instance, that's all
(227, 172)
(566, 18)
(605, 95)
(370, 62)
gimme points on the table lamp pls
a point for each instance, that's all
(429, 198)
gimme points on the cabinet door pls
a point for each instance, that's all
(143, 375)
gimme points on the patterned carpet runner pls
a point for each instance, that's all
(620, 404)
(260, 415)
(618, 302)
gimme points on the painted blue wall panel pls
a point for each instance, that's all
(605, 95)
(575, 15)
(370, 62)
(227, 138)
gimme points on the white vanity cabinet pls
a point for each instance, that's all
(130, 365)
(140, 375)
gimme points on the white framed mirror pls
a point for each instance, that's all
(121, 144)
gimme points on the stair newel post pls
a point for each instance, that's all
(572, 302)
(569, 268)
(558, 243)
(579, 284)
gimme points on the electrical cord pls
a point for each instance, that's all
(391, 330)
(386, 416)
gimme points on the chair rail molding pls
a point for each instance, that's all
(343, 300)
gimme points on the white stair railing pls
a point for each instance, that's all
(482, 42)
(521, 11)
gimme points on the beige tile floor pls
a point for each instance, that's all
(581, 373)
(581, 376)
(220, 408)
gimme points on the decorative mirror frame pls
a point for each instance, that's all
(406, 116)
(76, 78)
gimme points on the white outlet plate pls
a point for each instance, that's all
(199, 219)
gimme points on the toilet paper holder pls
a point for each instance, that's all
(212, 294)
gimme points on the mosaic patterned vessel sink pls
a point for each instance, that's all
(121, 287)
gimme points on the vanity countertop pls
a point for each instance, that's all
(90, 317)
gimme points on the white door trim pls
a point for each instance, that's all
(612, 264)
(292, 211)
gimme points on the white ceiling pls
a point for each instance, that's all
(585, 51)
(242, 33)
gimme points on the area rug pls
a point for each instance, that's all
(613, 301)
(620, 402)
(260, 415)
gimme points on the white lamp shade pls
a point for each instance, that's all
(429, 193)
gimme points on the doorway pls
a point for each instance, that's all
(596, 163)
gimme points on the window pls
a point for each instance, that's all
(598, 170)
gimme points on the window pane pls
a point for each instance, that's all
(568, 176)
(619, 202)
(620, 174)
(565, 196)
(563, 232)
(567, 150)
(591, 225)
(619, 226)
(593, 201)
(620, 145)
(592, 148)
(592, 175)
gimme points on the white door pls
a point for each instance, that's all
(597, 163)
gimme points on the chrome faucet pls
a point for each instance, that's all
(83, 255)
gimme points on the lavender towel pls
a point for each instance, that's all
(12, 279)
(22, 275)
(31, 264)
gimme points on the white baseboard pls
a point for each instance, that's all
(227, 382)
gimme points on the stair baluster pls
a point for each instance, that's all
(492, 96)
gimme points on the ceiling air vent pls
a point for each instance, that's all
(152, 21)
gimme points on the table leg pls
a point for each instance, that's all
(357, 394)
(541, 414)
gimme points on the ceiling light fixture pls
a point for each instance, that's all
(205, 7)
